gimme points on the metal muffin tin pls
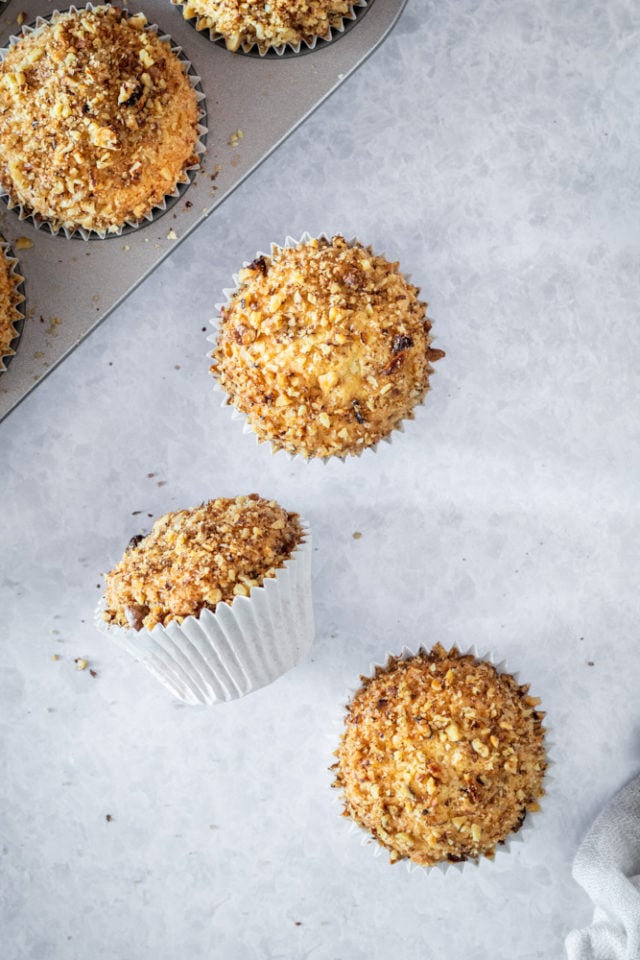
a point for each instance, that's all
(72, 284)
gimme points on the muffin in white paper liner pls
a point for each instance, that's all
(16, 310)
(184, 180)
(237, 648)
(502, 848)
(236, 414)
(194, 11)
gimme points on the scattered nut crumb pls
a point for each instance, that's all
(24, 243)
(93, 673)
(56, 656)
(108, 818)
(172, 235)
(81, 663)
(235, 138)
(357, 535)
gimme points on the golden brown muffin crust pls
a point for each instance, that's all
(271, 24)
(98, 120)
(442, 757)
(9, 300)
(325, 347)
(194, 559)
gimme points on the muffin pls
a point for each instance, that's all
(10, 298)
(325, 347)
(98, 121)
(267, 26)
(442, 757)
(215, 600)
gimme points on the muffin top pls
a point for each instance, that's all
(9, 300)
(98, 120)
(194, 559)
(267, 25)
(442, 757)
(325, 347)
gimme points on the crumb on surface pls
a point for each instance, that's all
(194, 559)
(442, 757)
(81, 663)
(325, 347)
(98, 120)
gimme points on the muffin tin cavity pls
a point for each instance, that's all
(253, 104)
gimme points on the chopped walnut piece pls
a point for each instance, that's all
(266, 25)
(194, 559)
(449, 797)
(98, 120)
(311, 357)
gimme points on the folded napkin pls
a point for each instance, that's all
(607, 865)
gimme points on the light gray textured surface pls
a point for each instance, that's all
(492, 149)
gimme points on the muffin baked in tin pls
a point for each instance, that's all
(11, 304)
(99, 121)
(277, 27)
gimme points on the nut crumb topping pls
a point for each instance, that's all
(98, 120)
(266, 25)
(9, 300)
(325, 347)
(194, 559)
(442, 757)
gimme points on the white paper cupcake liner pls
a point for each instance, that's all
(236, 414)
(503, 849)
(236, 649)
(169, 199)
(18, 305)
(201, 23)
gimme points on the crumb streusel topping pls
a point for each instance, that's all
(98, 120)
(194, 559)
(442, 757)
(272, 24)
(325, 347)
(9, 300)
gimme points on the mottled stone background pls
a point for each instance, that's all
(492, 148)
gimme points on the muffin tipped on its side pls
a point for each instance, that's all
(442, 757)
(193, 560)
(325, 347)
